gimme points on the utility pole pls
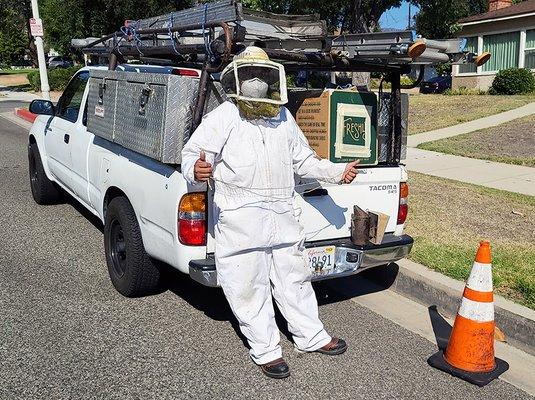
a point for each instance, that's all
(409, 24)
(38, 37)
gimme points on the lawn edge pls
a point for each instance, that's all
(431, 146)
(429, 287)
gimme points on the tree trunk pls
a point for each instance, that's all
(357, 24)
(361, 80)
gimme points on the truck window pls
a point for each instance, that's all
(69, 104)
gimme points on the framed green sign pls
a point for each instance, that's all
(353, 127)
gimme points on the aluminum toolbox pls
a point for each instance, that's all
(145, 112)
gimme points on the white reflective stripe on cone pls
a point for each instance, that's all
(476, 311)
(480, 278)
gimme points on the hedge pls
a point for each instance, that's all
(513, 81)
(57, 78)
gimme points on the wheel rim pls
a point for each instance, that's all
(117, 246)
(33, 169)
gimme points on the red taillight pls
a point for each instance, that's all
(403, 198)
(185, 72)
(192, 232)
(192, 219)
(402, 213)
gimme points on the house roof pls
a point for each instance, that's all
(516, 10)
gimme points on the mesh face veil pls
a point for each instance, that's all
(252, 77)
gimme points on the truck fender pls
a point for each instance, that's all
(44, 157)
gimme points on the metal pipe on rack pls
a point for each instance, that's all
(112, 61)
(149, 50)
(150, 31)
(432, 56)
(456, 45)
(201, 97)
(353, 66)
(434, 44)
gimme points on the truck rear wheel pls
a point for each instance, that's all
(131, 270)
(44, 191)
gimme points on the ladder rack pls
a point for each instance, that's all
(208, 35)
(215, 31)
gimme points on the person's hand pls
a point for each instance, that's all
(350, 172)
(202, 170)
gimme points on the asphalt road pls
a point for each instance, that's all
(66, 333)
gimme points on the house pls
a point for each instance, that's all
(507, 31)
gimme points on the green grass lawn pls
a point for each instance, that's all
(428, 112)
(512, 143)
(448, 219)
(16, 71)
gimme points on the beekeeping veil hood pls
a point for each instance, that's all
(254, 81)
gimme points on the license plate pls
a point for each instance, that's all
(320, 259)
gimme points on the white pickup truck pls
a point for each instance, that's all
(149, 212)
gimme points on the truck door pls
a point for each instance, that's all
(79, 144)
(63, 127)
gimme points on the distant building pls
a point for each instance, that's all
(508, 32)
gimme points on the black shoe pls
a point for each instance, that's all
(277, 369)
(334, 347)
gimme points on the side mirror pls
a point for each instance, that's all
(42, 107)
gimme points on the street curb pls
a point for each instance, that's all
(25, 114)
(428, 287)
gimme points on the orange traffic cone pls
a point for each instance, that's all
(470, 351)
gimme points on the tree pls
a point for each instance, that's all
(67, 19)
(345, 16)
(14, 29)
(13, 39)
(437, 19)
(350, 16)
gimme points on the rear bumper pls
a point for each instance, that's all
(351, 259)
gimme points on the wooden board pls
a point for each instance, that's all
(313, 119)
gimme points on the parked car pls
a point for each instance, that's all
(150, 212)
(59, 62)
(438, 84)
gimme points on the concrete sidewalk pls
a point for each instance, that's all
(14, 95)
(513, 178)
(481, 123)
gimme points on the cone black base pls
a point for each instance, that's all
(477, 378)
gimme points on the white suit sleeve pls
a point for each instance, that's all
(305, 161)
(209, 136)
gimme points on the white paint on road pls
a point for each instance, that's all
(11, 117)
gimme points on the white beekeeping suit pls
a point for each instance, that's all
(258, 240)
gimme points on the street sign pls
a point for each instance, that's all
(36, 27)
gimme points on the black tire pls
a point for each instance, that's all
(132, 271)
(44, 191)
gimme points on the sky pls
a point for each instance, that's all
(397, 18)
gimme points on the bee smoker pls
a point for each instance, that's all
(360, 226)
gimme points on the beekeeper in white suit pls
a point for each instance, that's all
(251, 147)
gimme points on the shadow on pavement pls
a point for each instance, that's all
(441, 327)
(212, 302)
(370, 281)
(15, 88)
(92, 218)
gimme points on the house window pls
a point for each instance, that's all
(529, 60)
(504, 48)
(471, 47)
